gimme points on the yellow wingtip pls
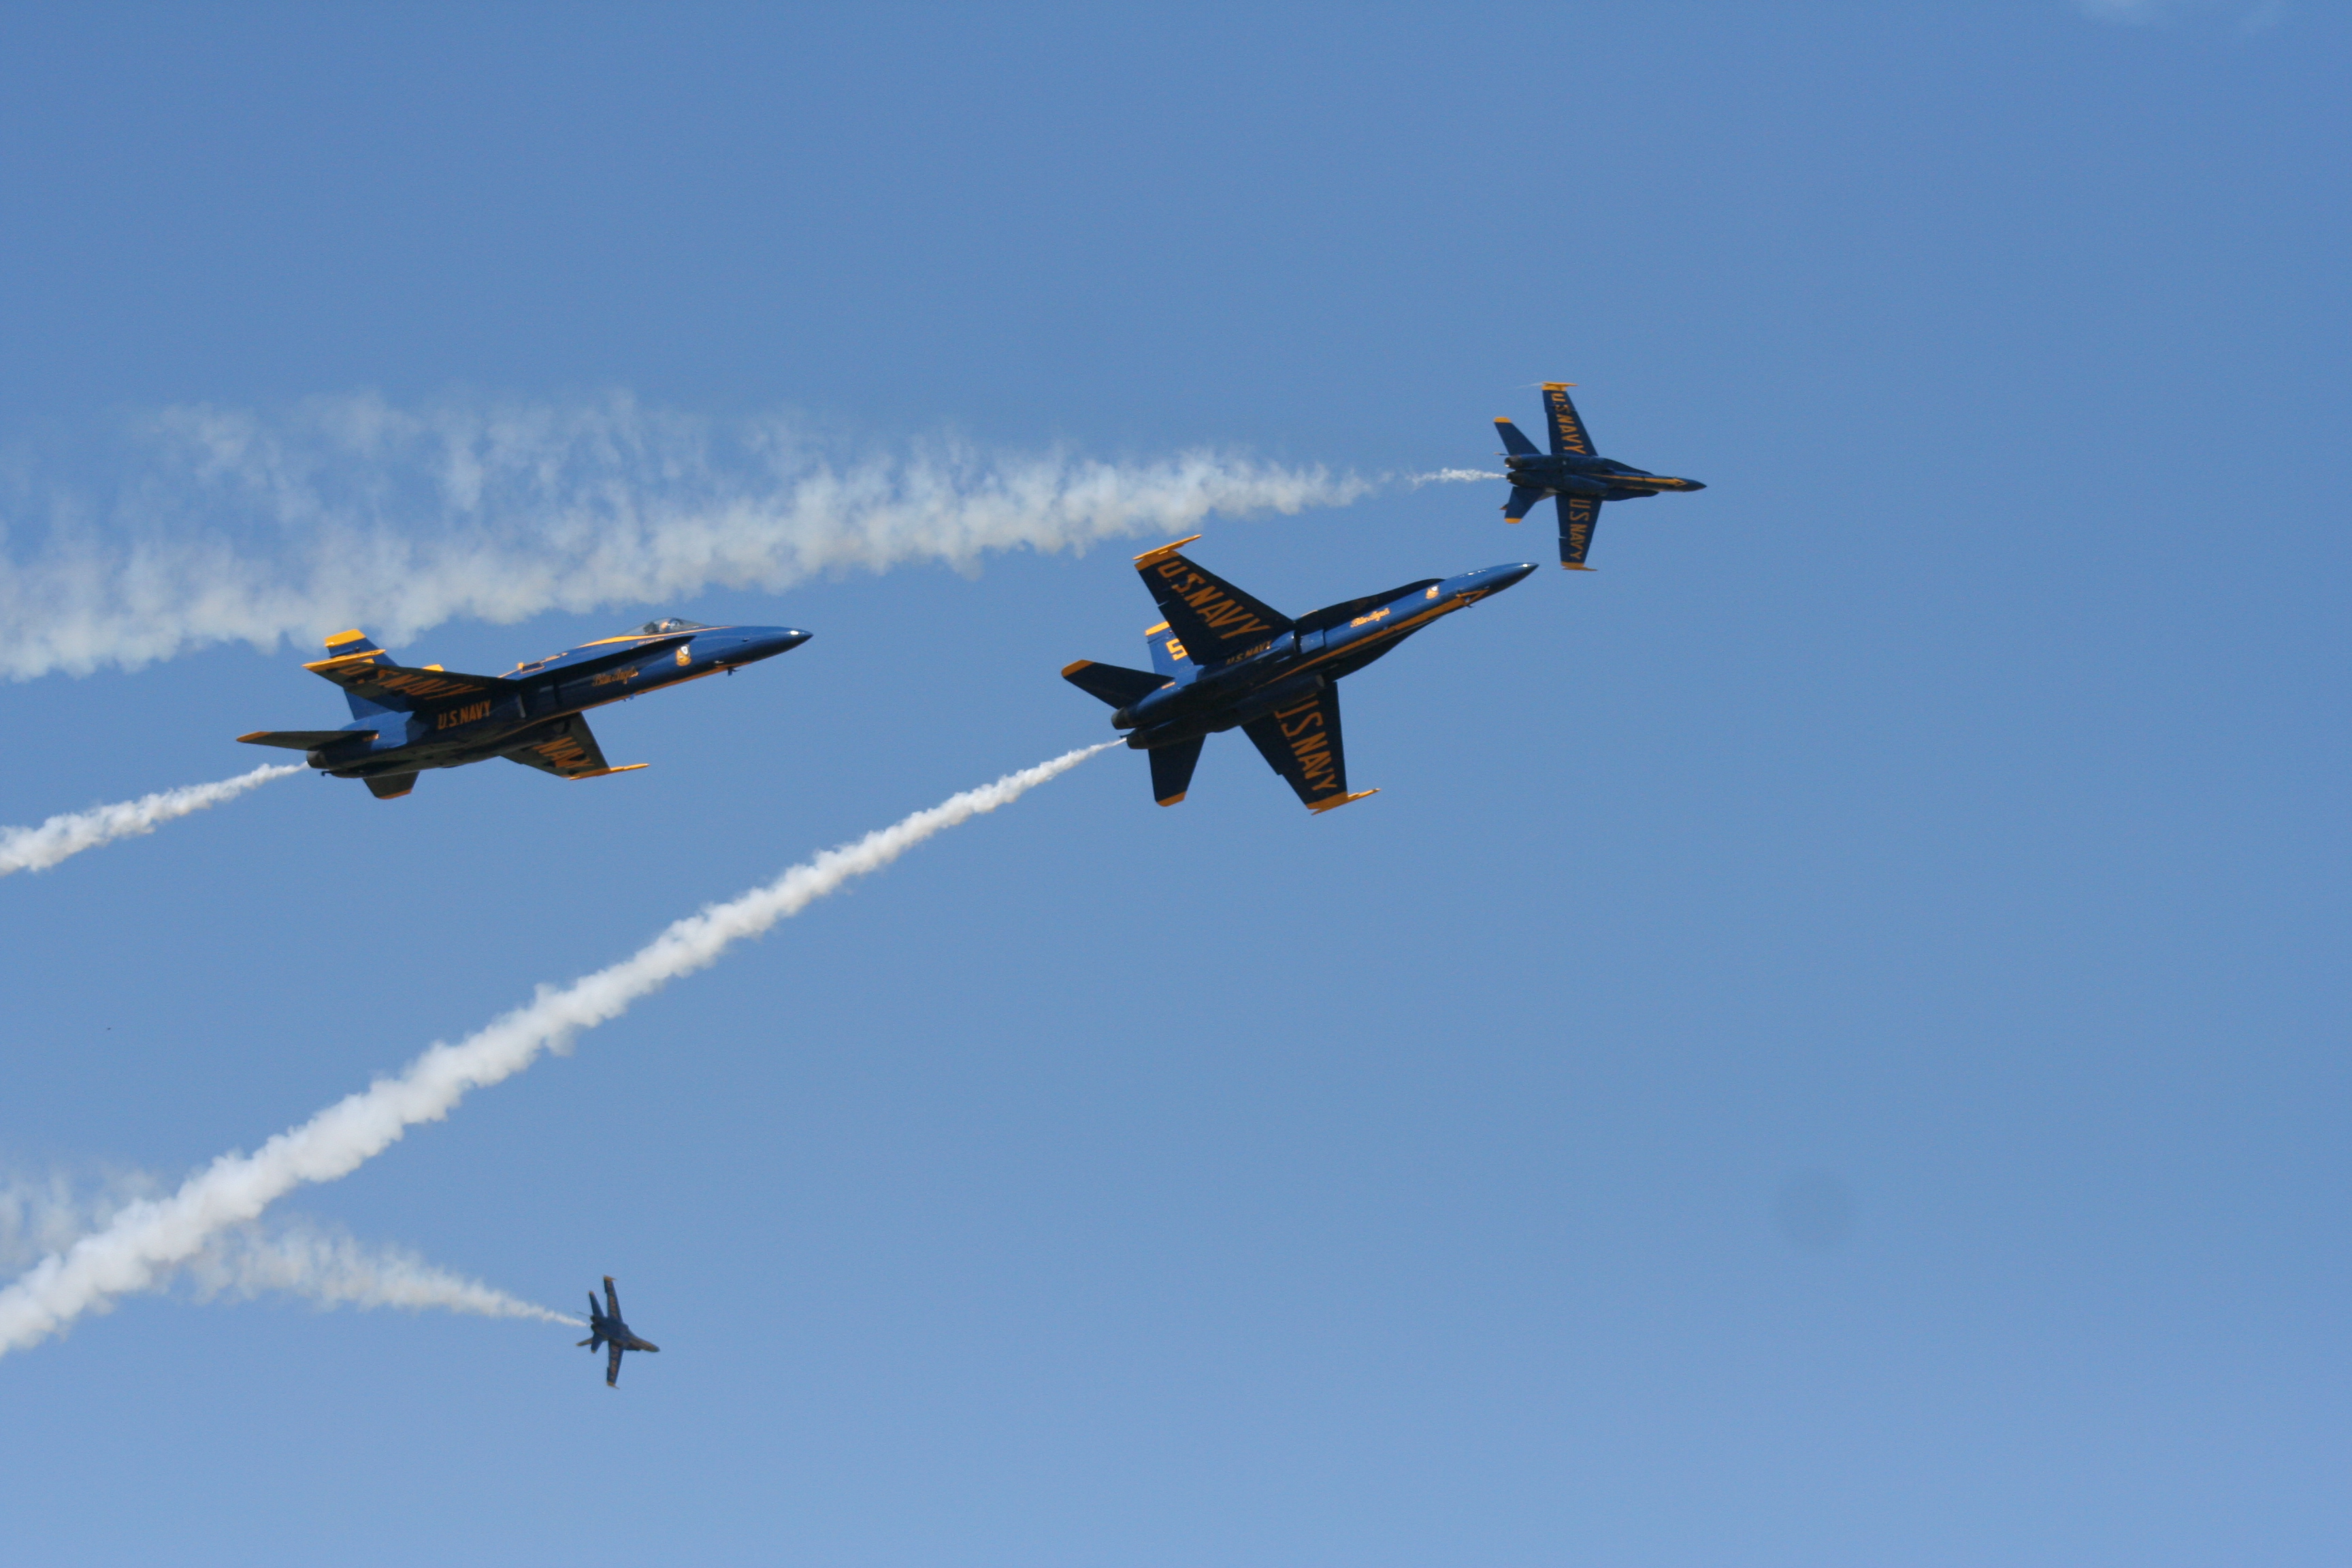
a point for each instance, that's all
(1149, 556)
(1172, 799)
(1320, 807)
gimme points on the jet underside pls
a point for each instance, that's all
(406, 720)
(1223, 660)
(1575, 476)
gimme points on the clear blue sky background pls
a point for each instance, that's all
(1829, 1047)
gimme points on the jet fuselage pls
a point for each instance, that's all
(535, 694)
(1600, 478)
(1294, 664)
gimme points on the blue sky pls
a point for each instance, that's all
(1827, 1048)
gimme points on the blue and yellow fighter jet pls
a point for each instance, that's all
(1223, 660)
(407, 720)
(606, 1331)
(1575, 479)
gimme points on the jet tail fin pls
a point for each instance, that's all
(1167, 655)
(1514, 441)
(1522, 502)
(1114, 684)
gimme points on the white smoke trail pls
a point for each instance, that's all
(228, 526)
(335, 1270)
(298, 1257)
(39, 849)
(38, 1217)
(1452, 477)
(148, 1238)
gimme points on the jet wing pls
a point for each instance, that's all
(612, 1300)
(567, 748)
(612, 1367)
(1212, 619)
(1578, 517)
(1302, 744)
(371, 676)
(1567, 429)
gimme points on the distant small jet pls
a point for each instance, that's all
(1575, 479)
(1223, 660)
(404, 720)
(606, 1328)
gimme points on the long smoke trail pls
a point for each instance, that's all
(336, 1270)
(147, 1238)
(297, 1257)
(225, 526)
(39, 849)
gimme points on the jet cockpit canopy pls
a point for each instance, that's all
(665, 627)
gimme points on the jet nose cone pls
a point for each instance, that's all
(1501, 577)
(754, 643)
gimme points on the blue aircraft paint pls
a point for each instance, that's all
(1223, 661)
(406, 720)
(1576, 477)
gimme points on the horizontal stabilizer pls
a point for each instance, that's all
(1522, 501)
(1171, 769)
(305, 740)
(1114, 684)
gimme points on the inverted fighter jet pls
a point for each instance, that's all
(606, 1328)
(1577, 481)
(404, 720)
(1221, 660)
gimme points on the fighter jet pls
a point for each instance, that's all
(1223, 660)
(404, 720)
(1577, 481)
(606, 1328)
